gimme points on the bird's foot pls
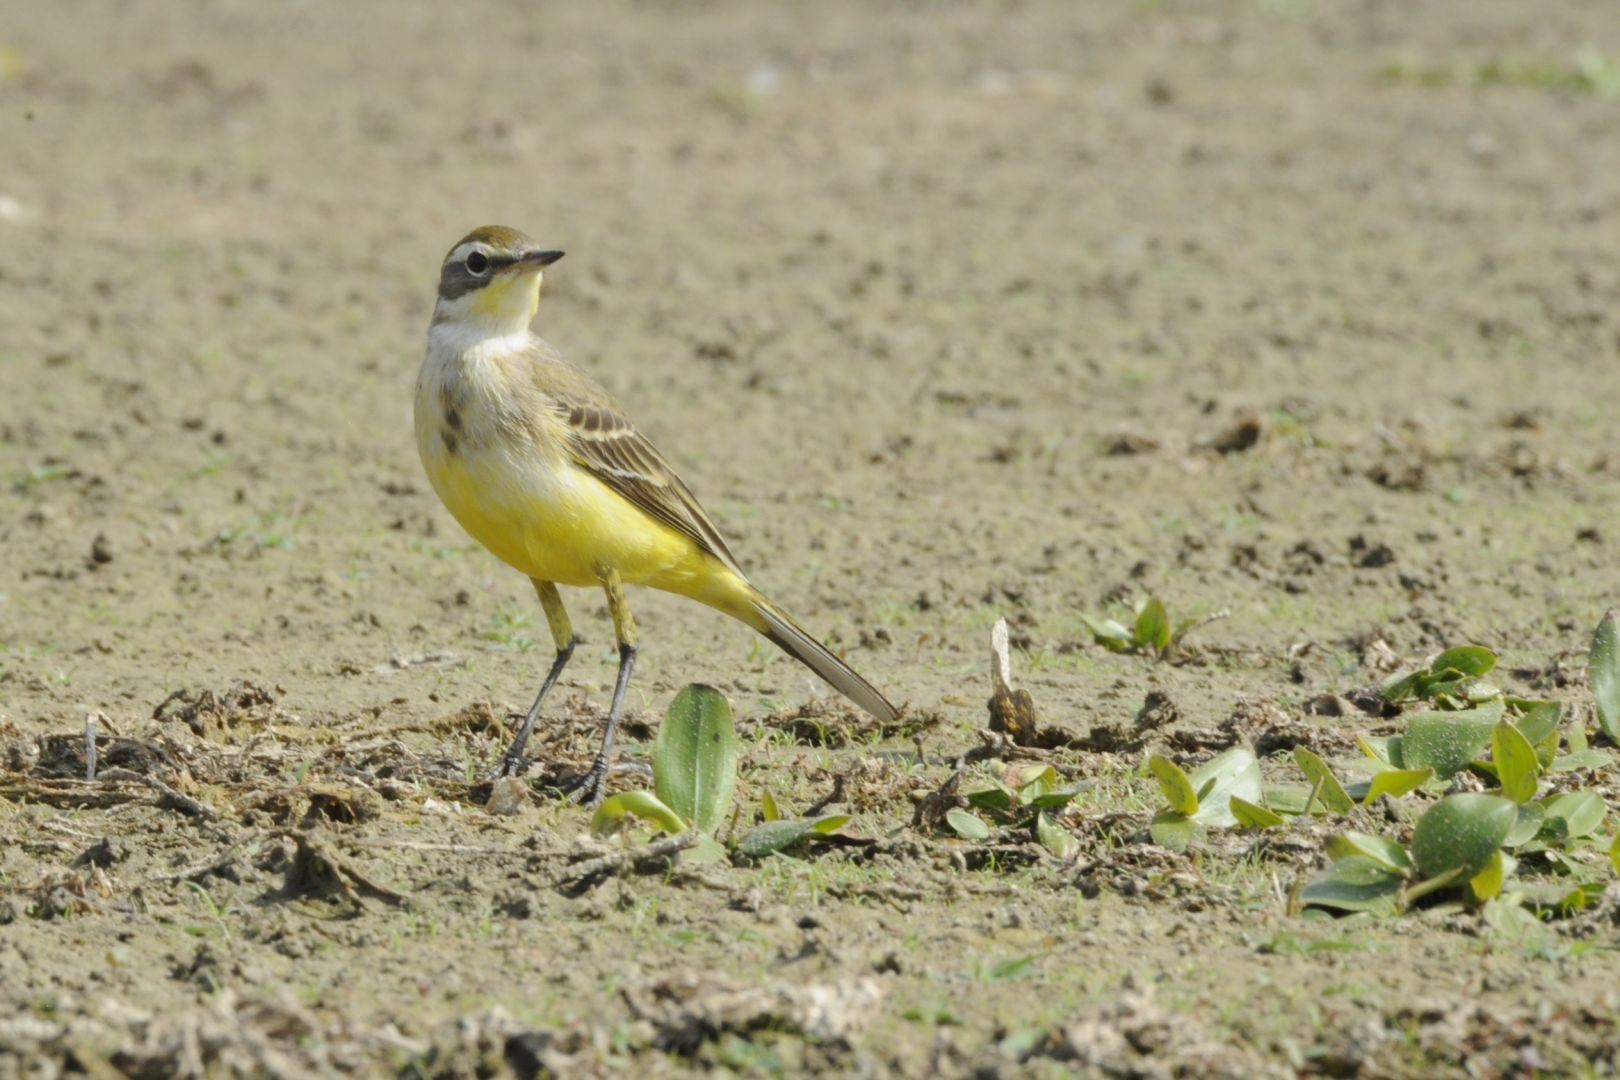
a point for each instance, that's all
(589, 789)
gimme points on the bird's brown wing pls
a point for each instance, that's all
(603, 441)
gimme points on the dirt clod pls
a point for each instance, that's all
(687, 1009)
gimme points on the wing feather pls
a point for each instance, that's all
(602, 440)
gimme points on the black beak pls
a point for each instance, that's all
(541, 258)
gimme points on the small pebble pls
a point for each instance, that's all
(507, 796)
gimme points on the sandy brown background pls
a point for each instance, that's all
(942, 310)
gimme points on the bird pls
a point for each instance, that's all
(541, 466)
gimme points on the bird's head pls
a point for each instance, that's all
(491, 281)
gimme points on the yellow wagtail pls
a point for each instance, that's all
(540, 465)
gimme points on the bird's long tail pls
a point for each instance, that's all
(794, 641)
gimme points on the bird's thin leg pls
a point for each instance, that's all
(591, 788)
(562, 633)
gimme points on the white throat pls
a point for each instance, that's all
(463, 324)
(455, 337)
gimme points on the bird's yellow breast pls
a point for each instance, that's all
(506, 476)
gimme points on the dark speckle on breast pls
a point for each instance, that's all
(453, 418)
(449, 437)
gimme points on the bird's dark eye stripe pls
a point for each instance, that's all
(489, 263)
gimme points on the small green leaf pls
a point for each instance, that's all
(1461, 832)
(1488, 882)
(1381, 748)
(781, 834)
(999, 797)
(1614, 854)
(1055, 800)
(1288, 798)
(1538, 723)
(1559, 897)
(1353, 883)
(967, 826)
(1331, 793)
(1582, 759)
(641, 804)
(767, 807)
(1572, 815)
(1453, 686)
(1054, 837)
(1475, 660)
(1174, 831)
(695, 756)
(1235, 772)
(1507, 922)
(1176, 785)
(1516, 765)
(1603, 672)
(1152, 629)
(1109, 633)
(1394, 783)
(1032, 781)
(1445, 741)
(1400, 686)
(1386, 853)
(1527, 826)
(1253, 815)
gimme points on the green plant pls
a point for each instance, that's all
(1205, 797)
(1025, 796)
(694, 771)
(776, 833)
(769, 837)
(695, 757)
(1149, 630)
(1603, 672)
(1451, 679)
(1464, 838)
(1471, 839)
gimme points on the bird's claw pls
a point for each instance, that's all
(589, 789)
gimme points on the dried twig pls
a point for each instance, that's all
(90, 747)
(76, 793)
(198, 871)
(1212, 617)
(64, 827)
(420, 845)
(167, 796)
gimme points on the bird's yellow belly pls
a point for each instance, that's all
(555, 522)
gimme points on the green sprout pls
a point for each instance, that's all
(1223, 792)
(1025, 797)
(694, 772)
(1150, 630)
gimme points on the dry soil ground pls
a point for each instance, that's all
(1305, 310)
